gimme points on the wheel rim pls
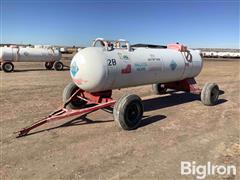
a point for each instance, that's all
(133, 113)
(59, 66)
(214, 94)
(47, 63)
(77, 102)
(162, 88)
(8, 67)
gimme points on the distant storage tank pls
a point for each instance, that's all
(95, 69)
(234, 55)
(213, 54)
(38, 46)
(237, 55)
(63, 50)
(226, 54)
(51, 57)
(29, 54)
(47, 46)
(206, 54)
(221, 54)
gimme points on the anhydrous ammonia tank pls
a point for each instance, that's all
(51, 57)
(29, 54)
(116, 66)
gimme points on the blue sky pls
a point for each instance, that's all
(203, 23)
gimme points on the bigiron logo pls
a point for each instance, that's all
(202, 171)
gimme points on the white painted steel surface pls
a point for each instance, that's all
(63, 49)
(97, 69)
(29, 54)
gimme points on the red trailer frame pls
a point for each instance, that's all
(100, 100)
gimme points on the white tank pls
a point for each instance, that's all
(221, 54)
(213, 54)
(38, 46)
(47, 46)
(237, 54)
(226, 54)
(96, 69)
(63, 49)
(29, 54)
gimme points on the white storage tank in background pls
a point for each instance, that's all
(38, 46)
(213, 54)
(63, 49)
(206, 54)
(235, 55)
(238, 54)
(221, 54)
(203, 54)
(47, 46)
(51, 57)
(29, 54)
(226, 54)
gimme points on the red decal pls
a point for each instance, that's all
(127, 70)
(79, 81)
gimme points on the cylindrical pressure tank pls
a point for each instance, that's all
(95, 69)
(29, 54)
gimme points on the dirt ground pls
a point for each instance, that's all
(175, 128)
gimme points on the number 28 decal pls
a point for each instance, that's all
(111, 62)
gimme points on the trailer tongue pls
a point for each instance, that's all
(97, 101)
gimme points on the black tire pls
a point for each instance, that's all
(48, 65)
(69, 90)
(159, 89)
(128, 111)
(58, 66)
(7, 67)
(209, 94)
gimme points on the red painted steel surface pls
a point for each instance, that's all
(100, 100)
(97, 101)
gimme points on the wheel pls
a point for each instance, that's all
(7, 67)
(48, 65)
(128, 111)
(58, 66)
(69, 90)
(159, 89)
(209, 94)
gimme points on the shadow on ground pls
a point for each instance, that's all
(173, 100)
